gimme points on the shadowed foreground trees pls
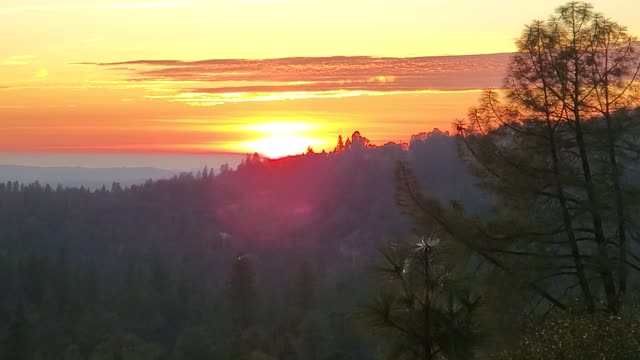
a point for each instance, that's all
(556, 156)
(557, 149)
(578, 338)
(423, 312)
(126, 347)
(576, 66)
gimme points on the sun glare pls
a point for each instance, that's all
(280, 146)
(279, 139)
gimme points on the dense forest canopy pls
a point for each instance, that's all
(170, 262)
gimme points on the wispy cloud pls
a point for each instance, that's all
(116, 6)
(18, 60)
(217, 81)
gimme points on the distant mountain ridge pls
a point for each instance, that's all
(432, 146)
(72, 176)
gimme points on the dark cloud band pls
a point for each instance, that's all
(317, 74)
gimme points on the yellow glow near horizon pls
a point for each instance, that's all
(277, 146)
(276, 139)
(283, 127)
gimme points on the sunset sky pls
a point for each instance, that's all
(272, 76)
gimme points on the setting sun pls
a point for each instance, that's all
(283, 138)
(277, 146)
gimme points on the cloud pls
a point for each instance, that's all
(18, 60)
(116, 6)
(219, 81)
(213, 99)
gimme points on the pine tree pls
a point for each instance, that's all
(552, 154)
(340, 146)
(242, 293)
(576, 66)
(421, 313)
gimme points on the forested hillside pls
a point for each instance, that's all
(155, 261)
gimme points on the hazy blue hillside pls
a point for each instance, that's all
(81, 176)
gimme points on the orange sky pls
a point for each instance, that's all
(72, 78)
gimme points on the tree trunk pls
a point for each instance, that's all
(568, 224)
(427, 307)
(603, 252)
